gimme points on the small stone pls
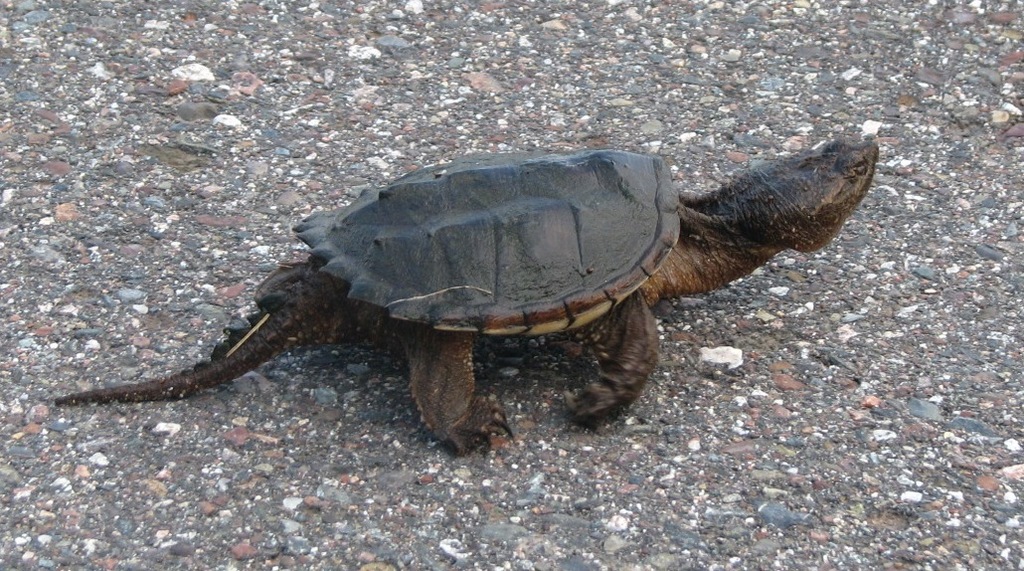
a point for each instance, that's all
(987, 483)
(393, 43)
(911, 497)
(870, 128)
(193, 72)
(555, 24)
(243, 550)
(724, 355)
(870, 401)
(780, 516)
(617, 522)
(988, 252)
(737, 156)
(732, 55)
(786, 382)
(129, 295)
(1000, 116)
(652, 127)
(227, 120)
(363, 52)
(66, 212)
(57, 168)
(246, 82)
(238, 435)
(166, 428)
(780, 291)
(176, 87)
(1015, 472)
(292, 503)
(882, 435)
(182, 549)
(850, 74)
(190, 111)
(924, 409)
(484, 82)
(1012, 444)
(414, 6)
(503, 532)
(973, 425)
(99, 459)
(620, 102)
(614, 543)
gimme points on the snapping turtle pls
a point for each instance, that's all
(514, 245)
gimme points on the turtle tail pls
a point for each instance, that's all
(298, 306)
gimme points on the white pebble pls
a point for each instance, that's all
(911, 497)
(99, 459)
(850, 73)
(693, 444)
(723, 355)
(617, 522)
(227, 120)
(881, 435)
(414, 7)
(167, 428)
(870, 127)
(363, 52)
(780, 291)
(1012, 445)
(292, 503)
(140, 308)
(100, 71)
(193, 72)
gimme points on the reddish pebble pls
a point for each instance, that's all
(741, 447)
(237, 436)
(37, 413)
(231, 291)
(176, 87)
(208, 508)
(819, 536)
(425, 479)
(737, 157)
(787, 382)
(988, 483)
(870, 401)
(246, 82)
(57, 168)
(66, 212)
(243, 551)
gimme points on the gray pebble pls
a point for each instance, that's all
(393, 42)
(781, 516)
(973, 425)
(190, 111)
(357, 369)
(505, 532)
(36, 17)
(924, 272)
(325, 395)
(130, 294)
(924, 409)
(988, 252)
(298, 545)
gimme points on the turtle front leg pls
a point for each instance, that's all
(441, 375)
(625, 343)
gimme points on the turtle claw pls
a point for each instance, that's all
(484, 419)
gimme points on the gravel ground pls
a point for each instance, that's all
(154, 159)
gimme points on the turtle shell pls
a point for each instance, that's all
(504, 244)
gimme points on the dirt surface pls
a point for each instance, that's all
(154, 156)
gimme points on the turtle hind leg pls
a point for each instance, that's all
(441, 377)
(625, 343)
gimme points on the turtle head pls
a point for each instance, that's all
(800, 202)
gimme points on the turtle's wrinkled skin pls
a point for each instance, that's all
(511, 245)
